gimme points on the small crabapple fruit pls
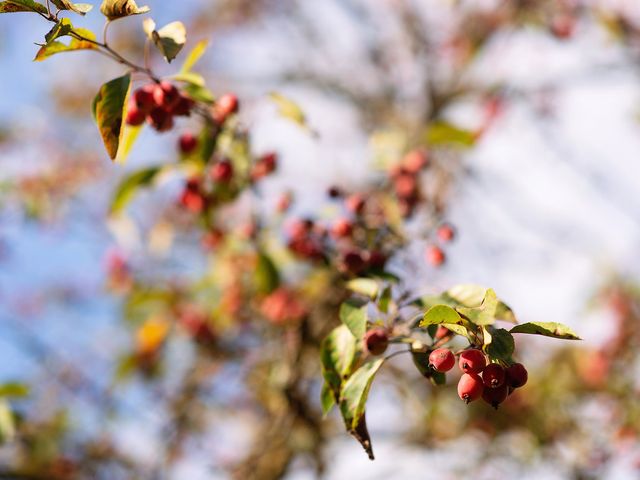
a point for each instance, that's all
(445, 232)
(516, 375)
(495, 396)
(342, 228)
(143, 98)
(225, 105)
(470, 387)
(472, 361)
(352, 262)
(135, 116)
(160, 119)
(376, 341)
(435, 256)
(415, 160)
(355, 203)
(442, 332)
(187, 143)
(166, 95)
(442, 360)
(493, 375)
(222, 171)
(377, 259)
(182, 107)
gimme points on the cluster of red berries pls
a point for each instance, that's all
(404, 177)
(158, 103)
(490, 381)
(434, 254)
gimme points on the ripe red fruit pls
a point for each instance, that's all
(376, 341)
(160, 119)
(187, 143)
(192, 198)
(265, 165)
(562, 26)
(442, 360)
(445, 232)
(516, 375)
(442, 332)
(166, 95)
(435, 256)
(495, 396)
(135, 116)
(222, 171)
(341, 228)
(472, 361)
(415, 160)
(493, 375)
(225, 106)
(352, 262)
(182, 107)
(377, 260)
(143, 98)
(334, 192)
(470, 387)
(284, 202)
(405, 185)
(355, 203)
(299, 228)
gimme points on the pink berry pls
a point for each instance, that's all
(445, 232)
(435, 256)
(472, 361)
(166, 95)
(342, 228)
(442, 360)
(470, 387)
(222, 172)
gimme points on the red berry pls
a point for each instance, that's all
(415, 160)
(562, 26)
(284, 202)
(222, 171)
(143, 98)
(135, 116)
(334, 192)
(166, 95)
(377, 259)
(187, 143)
(405, 185)
(265, 165)
(442, 332)
(435, 256)
(445, 232)
(299, 229)
(182, 107)
(442, 360)
(352, 262)
(160, 119)
(495, 396)
(470, 387)
(493, 375)
(472, 361)
(225, 106)
(376, 341)
(341, 228)
(355, 203)
(516, 375)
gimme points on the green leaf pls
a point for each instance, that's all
(353, 313)
(169, 39)
(337, 355)
(326, 399)
(190, 77)
(385, 300)
(115, 9)
(471, 296)
(14, 389)
(81, 8)
(53, 47)
(130, 185)
(458, 329)
(353, 400)
(548, 329)
(199, 94)
(501, 346)
(129, 137)
(485, 313)
(440, 314)
(7, 423)
(12, 6)
(364, 286)
(267, 277)
(60, 29)
(109, 112)
(421, 361)
(288, 109)
(194, 55)
(444, 133)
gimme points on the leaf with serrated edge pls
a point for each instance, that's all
(548, 329)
